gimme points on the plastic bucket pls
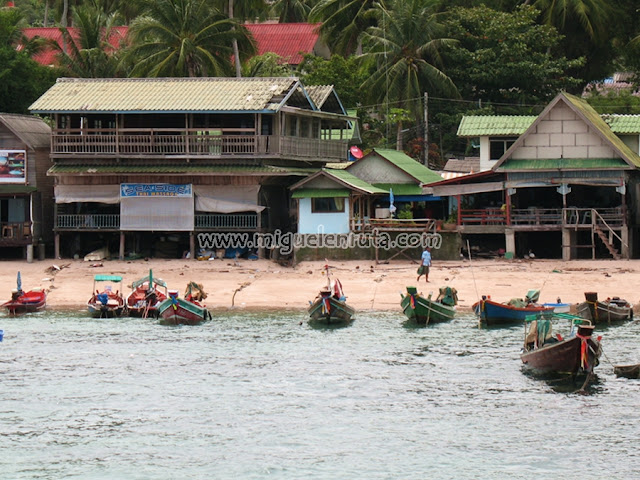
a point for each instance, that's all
(1, 334)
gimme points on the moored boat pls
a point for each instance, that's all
(607, 311)
(543, 352)
(513, 312)
(146, 294)
(330, 306)
(25, 302)
(106, 303)
(425, 310)
(184, 311)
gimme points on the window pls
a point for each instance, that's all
(497, 147)
(327, 205)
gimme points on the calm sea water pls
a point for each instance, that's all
(260, 396)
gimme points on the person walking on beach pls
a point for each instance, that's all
(425, 263)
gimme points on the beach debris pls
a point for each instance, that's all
(94, 265)
(233, 297)
(606, 274)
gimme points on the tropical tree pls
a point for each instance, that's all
(90, 53)
(266, 65)
(292, 11)
(503, 57)
(185, 38)
(241, 10)
(22, 80)
(403, 57)
(344, 74)
(344, 21)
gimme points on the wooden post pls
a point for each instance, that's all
(192, 246)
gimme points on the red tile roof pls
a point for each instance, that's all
(288, 40)
(48, 56)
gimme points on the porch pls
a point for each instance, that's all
(203, 222)
(188, 142)
(534, 217)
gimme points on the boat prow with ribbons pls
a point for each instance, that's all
(330, 306)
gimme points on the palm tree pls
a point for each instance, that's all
(90, 55)
(592, 15)
(185, 38)
(344, 21)
(247, 9)
(403, 55)
(292, 11)
(12, 23)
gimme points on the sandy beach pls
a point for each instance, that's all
(266, 285)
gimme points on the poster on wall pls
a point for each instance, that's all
(154, 190)
(13, 166)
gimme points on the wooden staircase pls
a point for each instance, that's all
(608, 241)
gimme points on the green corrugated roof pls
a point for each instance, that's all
(506, 125)
(17, 189)
(320, 193)
(353, 181)
(401, 188)
(409, 165)
(623, 124)
(494, 125)
(89, 168)
(562, 163)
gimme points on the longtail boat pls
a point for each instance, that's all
(425, 310)
(184, 311)
(106, 303)
(25, 302)
(492, 313)
(607, 311)
(146, 294)
(544, 352)
(330, 306)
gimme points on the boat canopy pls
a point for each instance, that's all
(157, 281)
(107, 278)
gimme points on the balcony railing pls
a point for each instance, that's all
(230, 221)
(172, 142)
(566, 217)
(88, 222)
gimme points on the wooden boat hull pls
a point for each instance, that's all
(627, 371)
(604, 312)
(179, 311)
(425, 311)
(138, 305)
(29, 302)
(564, 357)
(493, 313)
(97, 310)
(338, 311)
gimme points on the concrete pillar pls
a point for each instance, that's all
(41, 251)
(121, 252)
(30, 253)
(510, 241)
(56, 246)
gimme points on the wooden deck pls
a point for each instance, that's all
(189, 142)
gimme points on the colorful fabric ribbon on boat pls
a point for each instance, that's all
(412, 301)
(584, 352)
(326, 306)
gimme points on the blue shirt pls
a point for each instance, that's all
(426, 258)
